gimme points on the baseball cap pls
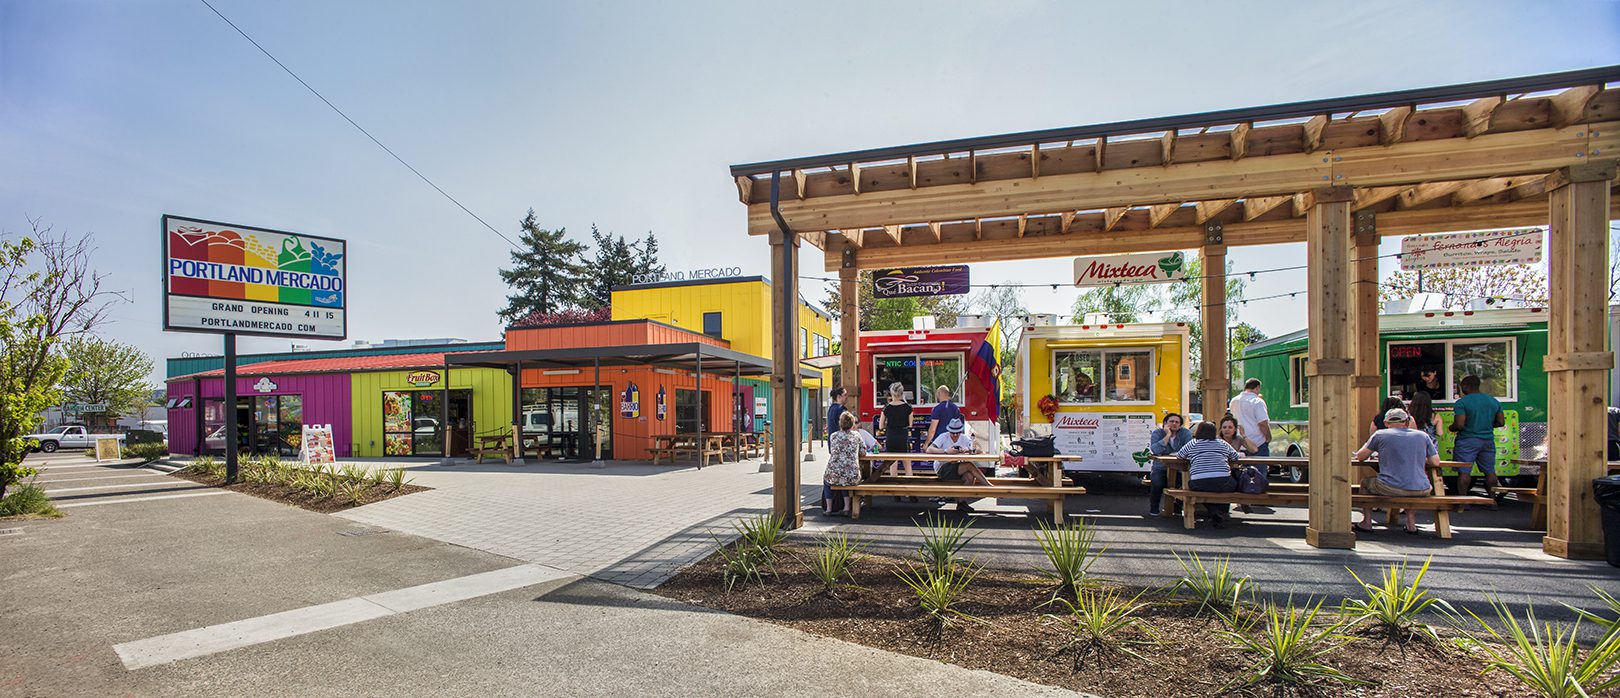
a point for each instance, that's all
(1396, 415)
(955, 426)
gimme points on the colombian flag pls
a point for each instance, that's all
(984, 368)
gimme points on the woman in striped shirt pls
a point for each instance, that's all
(1209, 465)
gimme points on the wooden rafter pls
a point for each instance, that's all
(1168, 148)
(1314, 128)
(1257, 206)
(1112, 216)
(911, 164)
(1240, 140)
(1158, 212)
(1392, 125)
(1372, 196)
(1101, 152)
(1066, 219)
(799, 178)
(855, 176)
(978, 228)
(1023, 221)
(973, 167)
(1483, 188)
(1427, 192)
(1477, 115)
(1035, 161)
(1302, 203)
(854, 236)
(745, 189)
(1206, 210)
(1569, 106)
(933, 227)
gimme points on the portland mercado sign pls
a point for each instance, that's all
(232, 279)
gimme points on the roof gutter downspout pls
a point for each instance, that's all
(787, 412)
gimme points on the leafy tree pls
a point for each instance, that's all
(1524, 282)
(1242, 335)
(1186, 304)
(47, 291)
(106, 372)
(616, 264)
(547, 275)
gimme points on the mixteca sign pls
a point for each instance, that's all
(225, 278)
(920, 281)
(1476, 249)
(1129, 268)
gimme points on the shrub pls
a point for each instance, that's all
(1216, 588)
(1396, 604)
(1101, 620)
(322, 487)
(354, 473)
(1610, 622)
(1070, 550)
(938, 588)
(354, 491)
(397, 479)
(744, 561)
(1546, 657)
(28, 500)
(146, 452)
(1290, 645)
(378, 477)
(206, 466)
(942, 540)
(764, 532)
(830, 562)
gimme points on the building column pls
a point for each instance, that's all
(1578, 362)
(1327, 250)
(1368, 381)
(516, 371)
(784, 377)
(1216, 370)
(849, 331)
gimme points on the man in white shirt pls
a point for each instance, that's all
(1250, 410)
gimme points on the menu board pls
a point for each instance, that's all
(317, 447)
(1108, 441)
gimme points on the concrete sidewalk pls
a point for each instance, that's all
(105, 576)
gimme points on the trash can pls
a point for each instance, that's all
(1607, 492)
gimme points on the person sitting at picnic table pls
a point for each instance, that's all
(1209, 468)
(956, 441)
(1390, 403)
(1164, 441)
(1403, 453)
(1231, 432)
(843, 466)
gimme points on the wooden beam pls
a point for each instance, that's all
(1569, 106)
(1206, 210)
(1101, 153)
(1327, 252)
(1477, 115)
(855, 176)
(978, 228)
(1482, 188)
(933, 227)
(849, 331)
(1035, 161)
(1257, 206)
(973, 167)
(1023, 220)
(1490, 155)
(1157, 213)
(1392, 125)
(1372, 196)
(1216, 378)
(893, 231)
(745, 189)
(1240, 140)
(854, 236)
(1313, 132)
(1088, 238)
(799, 178)
(911, 164)
(1067, 218)
(1367, 383)
(1168, 148)
(1302, 203)
(1112, 216)
(1426, 192)
(784, 332)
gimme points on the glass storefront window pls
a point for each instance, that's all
(1438, 367)
(291, 418)
(1130, 375)
(1418, 367)
(895, 369)
(935, 371)
(214, 425)
(1488, 360)
(1300, 382)
(397, 427)
(1094, 376)
(1075, 376)
(919, 375)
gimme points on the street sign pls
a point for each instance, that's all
(232, 279)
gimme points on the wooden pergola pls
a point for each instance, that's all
(1335, 174)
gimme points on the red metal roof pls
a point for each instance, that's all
(346, 364)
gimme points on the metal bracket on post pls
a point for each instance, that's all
(1365, 227)
(848, 261)
(1213, 234)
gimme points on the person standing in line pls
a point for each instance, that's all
(1475, 419)
(896, 425)
(944, 411)
(843, 466)
(834, 410)
(1209, 467)
(1164, 441)
(1250, 410)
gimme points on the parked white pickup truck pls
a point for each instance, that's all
(67, 437)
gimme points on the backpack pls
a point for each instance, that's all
(1036, 446)
(1252, 479)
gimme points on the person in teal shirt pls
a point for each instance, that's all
(1475, 419)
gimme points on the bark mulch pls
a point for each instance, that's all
(1017, 637)
(300, 498)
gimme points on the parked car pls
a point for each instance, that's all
(67, 437)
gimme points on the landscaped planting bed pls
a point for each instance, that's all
(1207, 636)
(322, 488)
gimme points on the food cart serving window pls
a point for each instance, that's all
(1437, 367)
(919, 374)
(1103, 376)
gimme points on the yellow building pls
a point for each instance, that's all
(738, 310)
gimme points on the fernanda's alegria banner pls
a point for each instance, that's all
(920, 281)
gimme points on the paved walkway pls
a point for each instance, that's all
(630, 523)
(74, 480)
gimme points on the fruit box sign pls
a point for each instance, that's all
(1129, 268)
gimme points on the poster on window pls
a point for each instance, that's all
(1107, 441)
(660, 408)
(630, 402)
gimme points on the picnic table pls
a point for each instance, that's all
(1441, 503)
(1538, 497)
(673, 445)
(499, 443)
(901, 486)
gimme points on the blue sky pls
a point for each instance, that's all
(627, 115)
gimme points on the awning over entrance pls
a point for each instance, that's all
(688, 356)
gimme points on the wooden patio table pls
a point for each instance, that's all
(1178, 467)
(1538, 501)
(493, 442)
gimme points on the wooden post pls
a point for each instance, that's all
(849, 332)
(1577, 362)
(1327, 249)
(1217, 381)
(516, 372)
(1368, 382)
(785, 377)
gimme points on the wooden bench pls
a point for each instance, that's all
(1442, 506)
(1054, 495)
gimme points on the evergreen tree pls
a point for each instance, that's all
(546, 276)
(647, 262)
(616, 264)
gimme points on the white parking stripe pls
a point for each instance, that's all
(98, 477)
(132, 500)
(150, 483)
(108, 466)
(212, 639)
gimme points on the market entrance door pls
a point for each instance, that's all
(461, 422)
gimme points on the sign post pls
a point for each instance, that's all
(228, 279)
